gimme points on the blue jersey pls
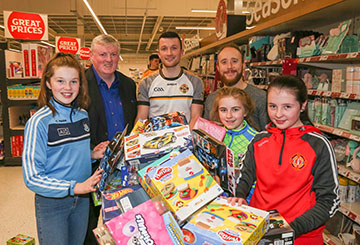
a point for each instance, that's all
(56, 152)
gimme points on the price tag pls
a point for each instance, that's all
(325, 57)
(337, 131)
(346, 134)
(351, 55)
(346, 96)
(318, 93)
(301, 60)
(327, 93)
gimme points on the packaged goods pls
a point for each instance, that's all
(21, 239)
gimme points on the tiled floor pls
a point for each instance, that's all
(17, 212)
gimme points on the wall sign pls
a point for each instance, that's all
(67, 44)
(84, 53)
(21, 25)
(221, 20)
(265, 9)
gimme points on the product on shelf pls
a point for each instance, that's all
(221, 223)
(17, 145)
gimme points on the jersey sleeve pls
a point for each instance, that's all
(247, 174)
(198, 97)
(143, 92)
(34, 159)
(325, 186)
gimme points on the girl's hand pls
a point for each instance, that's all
(236, 200)
(89, 184)
(99, 150)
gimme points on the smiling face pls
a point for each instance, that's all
(64, 84)
(170, 52)
(105, 59)
(231, 112)
(283, 108)
(230, 66)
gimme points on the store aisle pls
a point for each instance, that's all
(17, 212)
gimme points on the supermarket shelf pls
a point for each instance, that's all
(22, 80)
(347, 57)
(330, 239)
(22, 99)
(334, 94)
(12, 161)
(351, 210)
(19, 127)
(348, 173)
(338, 131)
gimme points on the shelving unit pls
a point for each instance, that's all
(15, 130)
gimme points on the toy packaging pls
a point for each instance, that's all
(131, 200)
(279, 231)
(147, 147)
(144, 225)
(169, 120)
(109, 207)
(103, 235)
(211, 128)
(21, 239)
(184, 184)
(222, 223)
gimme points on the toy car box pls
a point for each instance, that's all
(147, 147)
(21, 239)
(143, 171)
(109, 207)
(184, 184)
(279, 231)
(169, 120)
(222, 223)
(144, 225)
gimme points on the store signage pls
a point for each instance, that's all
(221, 20)
(21, 25)
(265, 9)
(190, 43)
(84, 53)
(67, 44)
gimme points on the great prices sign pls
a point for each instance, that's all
(20, 25)
(84, 53)
(67, 45)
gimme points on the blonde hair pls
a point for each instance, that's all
(103, 39)
(241, 96)
(60, 60)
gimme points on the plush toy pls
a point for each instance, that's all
(355, 160)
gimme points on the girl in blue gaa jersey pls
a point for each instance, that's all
(56, 155)
(233, 108)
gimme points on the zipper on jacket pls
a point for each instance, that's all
(282, 147)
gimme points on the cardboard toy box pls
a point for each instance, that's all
(144, 225)
(147, 147)
(21, 239)
(184, 184)
(169, 120)
(279, 231)
(221, 223)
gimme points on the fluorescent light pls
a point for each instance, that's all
(194, 28)
(203, 11)
(95, 17)
(15, 50)
(52, 45)
(121, 58)
(1, 26)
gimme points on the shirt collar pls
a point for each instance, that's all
(99, 79)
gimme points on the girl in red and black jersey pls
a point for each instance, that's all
(293, 164)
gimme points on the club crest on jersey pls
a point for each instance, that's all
(298, 161)
(184, 88)
(86, 127)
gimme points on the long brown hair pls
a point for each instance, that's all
(241, 96)
(60, 60)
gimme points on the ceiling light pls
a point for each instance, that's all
(121, 58)
(52, 45)
(14, 50)
(203, 11)
(95, 17)
(194, 28)
(1, 26)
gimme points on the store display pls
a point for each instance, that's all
(21, 239)
(210, 127)
(221, 223)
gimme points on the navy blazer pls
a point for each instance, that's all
(96, 108)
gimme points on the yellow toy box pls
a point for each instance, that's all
(222, 223)
(183, 184)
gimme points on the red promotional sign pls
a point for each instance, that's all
(221, 20)
(20, 25)
(84, 53)
(67, 44)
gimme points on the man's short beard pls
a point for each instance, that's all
(232, 82)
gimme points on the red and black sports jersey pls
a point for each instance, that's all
(296, 173)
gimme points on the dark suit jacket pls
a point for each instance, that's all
(96, 109)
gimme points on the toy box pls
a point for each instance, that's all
(144, 225)
(279, 231)
(221, 223)
(109, 207)
(21, 239)
(211, 128)
(169, 120)
(103, 235)
(184, 184)
(148, 167)
(147, 147)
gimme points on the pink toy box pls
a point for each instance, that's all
(144, 225)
